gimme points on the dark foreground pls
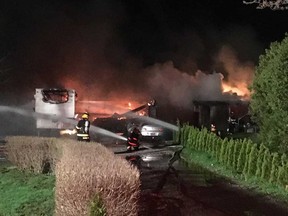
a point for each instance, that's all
(177, 190)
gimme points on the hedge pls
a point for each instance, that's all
(242, 156)
(90, 179)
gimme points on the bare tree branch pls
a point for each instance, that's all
(272, 4)
(252, 2)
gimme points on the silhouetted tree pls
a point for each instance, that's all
(269, 102)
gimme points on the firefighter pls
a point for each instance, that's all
(152, 109)
(83, 128)
(133, 139)
(232, 123)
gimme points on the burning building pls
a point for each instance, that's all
(202, 98)
(119, 122)
(206, 113)
(222, 116)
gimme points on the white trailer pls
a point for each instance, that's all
(57, 102)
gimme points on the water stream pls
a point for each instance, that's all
(28, 113)
(154, 121)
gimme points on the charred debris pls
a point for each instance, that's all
(222, 117)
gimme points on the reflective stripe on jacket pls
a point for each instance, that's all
(83, 128)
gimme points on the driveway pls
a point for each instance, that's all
(179, 190)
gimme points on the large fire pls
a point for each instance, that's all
(240, 89)
(106, 108)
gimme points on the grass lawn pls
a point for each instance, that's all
(24, 193)
(207, 162)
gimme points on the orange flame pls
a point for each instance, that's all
(240, 89)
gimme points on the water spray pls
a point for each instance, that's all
(58, 118)
(154, 121)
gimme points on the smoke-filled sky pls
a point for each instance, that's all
(132, 49)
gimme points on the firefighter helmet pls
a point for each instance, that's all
(85, 115)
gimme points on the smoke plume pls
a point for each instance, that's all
(107, 51)
(180, 88)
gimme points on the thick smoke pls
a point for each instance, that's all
(179, 88)
(109, 51)
(175, 52)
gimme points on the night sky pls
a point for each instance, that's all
(107, 49)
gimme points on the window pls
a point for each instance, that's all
(55, 96)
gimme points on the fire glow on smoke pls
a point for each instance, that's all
(240, 75)
(167, 83)
(241, 90)
(180, 87)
